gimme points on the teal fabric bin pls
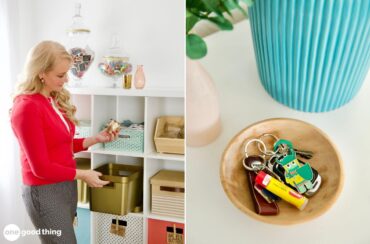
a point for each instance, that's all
(312, 55)
(129, 140)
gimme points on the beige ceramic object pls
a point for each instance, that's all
(326, 161)
(139, 79)
(202, 106)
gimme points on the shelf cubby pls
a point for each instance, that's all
(99, 105)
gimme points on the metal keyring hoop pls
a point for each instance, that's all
(267, 152)
(251, 141)
(246, 154)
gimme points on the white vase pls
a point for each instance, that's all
(203, 124)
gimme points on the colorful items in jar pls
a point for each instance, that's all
(115, 66)
(81, 61)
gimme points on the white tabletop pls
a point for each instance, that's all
(211, 216)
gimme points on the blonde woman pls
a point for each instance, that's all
(43, 120)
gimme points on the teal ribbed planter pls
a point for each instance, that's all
(312, 55)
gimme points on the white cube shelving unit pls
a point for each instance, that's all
(101, 104)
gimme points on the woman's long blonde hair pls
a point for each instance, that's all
(42, 58)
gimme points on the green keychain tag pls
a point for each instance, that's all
(296, 173)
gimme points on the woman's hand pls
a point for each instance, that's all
(102, 136)
(91, 177)
(105, 136)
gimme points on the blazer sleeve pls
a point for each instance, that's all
(27, 124)
(78, 145)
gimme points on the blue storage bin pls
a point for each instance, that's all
(83, 226)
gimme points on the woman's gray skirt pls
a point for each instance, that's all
(52, 209)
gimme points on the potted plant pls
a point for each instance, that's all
(202, 108)
(213, 11)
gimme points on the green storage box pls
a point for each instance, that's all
(124, 194)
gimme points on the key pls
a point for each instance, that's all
(303, 154)
(284, 149)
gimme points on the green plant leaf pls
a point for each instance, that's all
(196, 7)
(188, 13)
(234, 4)
(196, 47)
(212, 11)
(230, 5)
(191, 20)
(242, 10)
(226, 8)
(221, 22)
(213, 6)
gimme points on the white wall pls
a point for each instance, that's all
(12, 210)
(151, 32)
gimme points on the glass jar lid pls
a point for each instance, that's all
(115, 51)
(78, 27)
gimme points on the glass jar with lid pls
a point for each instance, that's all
(77, 46)
(115, 62)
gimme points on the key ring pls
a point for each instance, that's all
(267, 152)
(257, 165)
(269, 162)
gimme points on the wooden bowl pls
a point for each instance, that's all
(326, 161)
